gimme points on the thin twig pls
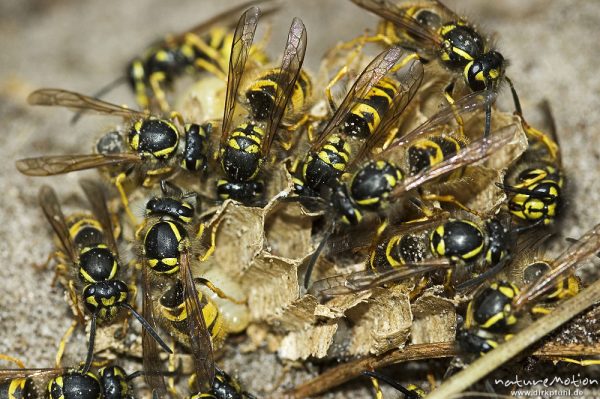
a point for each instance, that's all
(503, 353)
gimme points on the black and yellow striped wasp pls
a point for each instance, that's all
(535, 184)
(203, 48)
(169, 238)
(495, 311)
(245, 148)
(96, 262)
(437, 33)
(460, 241)
(147, 148)
(386, 177)
(110, 382)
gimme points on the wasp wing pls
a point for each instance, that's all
(410, 78)
(240, 48)
(153, 373)
(588, 245)
(95, 195)
(369, 77)
(53, 212)
(80, 102)
(293, 57)
(425, 36)
(200, 340)
(367, 279)
(474, 152)
(59, 164)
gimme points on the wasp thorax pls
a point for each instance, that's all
(156, 137)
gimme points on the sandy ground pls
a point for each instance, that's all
(553, 49)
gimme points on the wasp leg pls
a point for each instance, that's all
(213, 239)
(459, 120)
(75, 301)
(213, 54)
(584, 363)
(218, 291)
(119, 183)
(449, 199)
(63, 343)
(156, 80)
(14, 360)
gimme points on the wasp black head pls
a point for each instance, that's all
(104, 297)
(171, 207)
(499, 242)
(485, 71)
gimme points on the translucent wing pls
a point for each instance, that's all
(95, 195)
(410, 78)
(53, 212)
(200, 341)
(588, 245)
(474, 152)
(80, 102)
(467, 104)
(153, 373)
(369, 77)
(240, 48)
(8, 374)
(365, 280)
(59, 164)
(293, 57)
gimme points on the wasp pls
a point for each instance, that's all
(364, 117)
(382, 180)
(183, 308)
(463, 242)
(498, 308)
(535, 184)
(202, 48)
(245, 148)
(111, 382)
(153, 148)
(436, 32)
(224, 387)
(97, 264)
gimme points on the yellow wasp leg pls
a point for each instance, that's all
(119, 180)
(14, 360)
(213, 239)
(75, 301)
(450, 199)
(377, 388)
(218, 291)
(459, 120)
(155, 80)
(63, 343)
(584, 363)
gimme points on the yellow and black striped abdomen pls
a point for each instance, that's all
(85, 230)
(262, 93)
(425, 153)
(366, 116)
(397, 251)
(173, 311)
(17, 388)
